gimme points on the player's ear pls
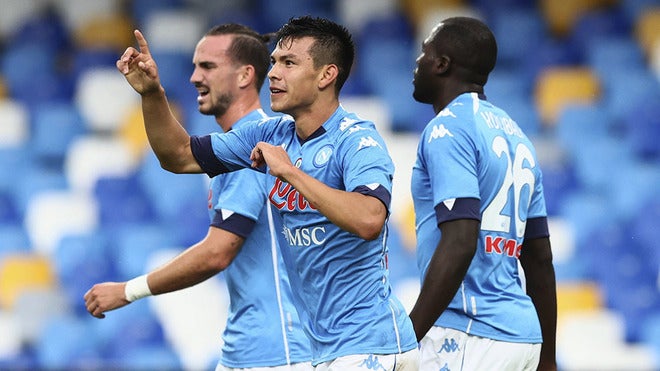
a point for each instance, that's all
(328, 75)
(442, 64)
(245, 76)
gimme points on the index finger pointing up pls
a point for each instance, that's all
(142, 42)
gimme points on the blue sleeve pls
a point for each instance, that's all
(202, 150)
(368, 168)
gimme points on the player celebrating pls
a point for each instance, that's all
(263, 328)
(332, 187)
(479, 208)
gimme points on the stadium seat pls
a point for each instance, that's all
(77, 13)
(417, 10)
(605, 54)
(54, 127)
(35, 308)
(104, 97)
(44, 27)
(624, 89)
(578, 121)
(517, 32)
(647, 28)
(595, 340)
(122, 200)
(105, 31)
(20, 272)
(81, 260)
(354, 15)
(15, 128)
(15, 14)
(650, 334)
(84, 59)
(558, 87)
(175, 69)
(578, 297)
(35, 180)
(23, 64)
(51, 215)
(8, 211)
(132, 245)
(167, 191)
(92, 156)
(561, 16)
(13, 240)
(598, 24)
(174, 30)
(67, 342)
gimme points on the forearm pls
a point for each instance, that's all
(353, 212)
(167, 137)
(446, 271)
(541, 287)
(196, 264)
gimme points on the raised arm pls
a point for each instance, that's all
(196, 264)
(168, 139)
(353, 212)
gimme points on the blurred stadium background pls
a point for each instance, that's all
(83, 199)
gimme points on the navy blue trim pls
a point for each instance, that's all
(236, 223)
(320, 131)
(380, 193)
(464, 208)
(202, 150)
(537, 228)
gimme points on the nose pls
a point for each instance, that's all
(195, 76)
(272, 73)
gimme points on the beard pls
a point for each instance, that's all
(219, 106)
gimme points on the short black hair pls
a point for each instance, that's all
(333, 43)
(248, 47)
(470, 44)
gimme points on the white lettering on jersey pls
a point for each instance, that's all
(505, 124)
(304, 237)
(368, 142)
(439, 132)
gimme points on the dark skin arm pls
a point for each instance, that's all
(536, 260)
(448, 266)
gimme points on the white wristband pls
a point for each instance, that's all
(137, 288)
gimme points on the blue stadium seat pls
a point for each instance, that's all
(598, 24)
(642, 127)
(121, 201)
(517, 31)
(54, 127)
(130, 247)
(80, 261)
(579, 121)
(650, 333)
(559, 181)
(84, 59)
(607, 53)
(8, 213)
(34, 180)
(175, 68)
(45, 28)
(624, 88)
(168, 191)
(13, 239)
(141, 9)
(67, 343)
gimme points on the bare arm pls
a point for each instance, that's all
(353, 212)
(196, 264)
(536, 260)
(168, 139)
(445, 273)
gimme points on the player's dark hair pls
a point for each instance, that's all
(248, 47)
(470, 44)
(333, 43)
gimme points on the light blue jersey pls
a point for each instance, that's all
(340, 280)
(473, 149)
(263, 328)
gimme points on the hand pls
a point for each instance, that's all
(275, 157)
(139, 67)
(104, 297)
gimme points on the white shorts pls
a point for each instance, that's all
(302, 366)
(449, 349)
(408, 361)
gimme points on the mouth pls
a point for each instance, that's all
(274, 91)
(202, 92)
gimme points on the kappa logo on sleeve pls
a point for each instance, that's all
(439, 131)
(368, 142)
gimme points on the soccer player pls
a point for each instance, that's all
(263, 327)
(479, 209)
(332, 185)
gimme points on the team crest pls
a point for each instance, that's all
(298, 163)
(323, 155)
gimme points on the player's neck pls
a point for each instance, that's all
(309, 119)
(237, 111)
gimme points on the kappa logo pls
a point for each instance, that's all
(449, 346)
(368, 142)
(355, 128)
(439, 132)
(446, 113)
(372, 363)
